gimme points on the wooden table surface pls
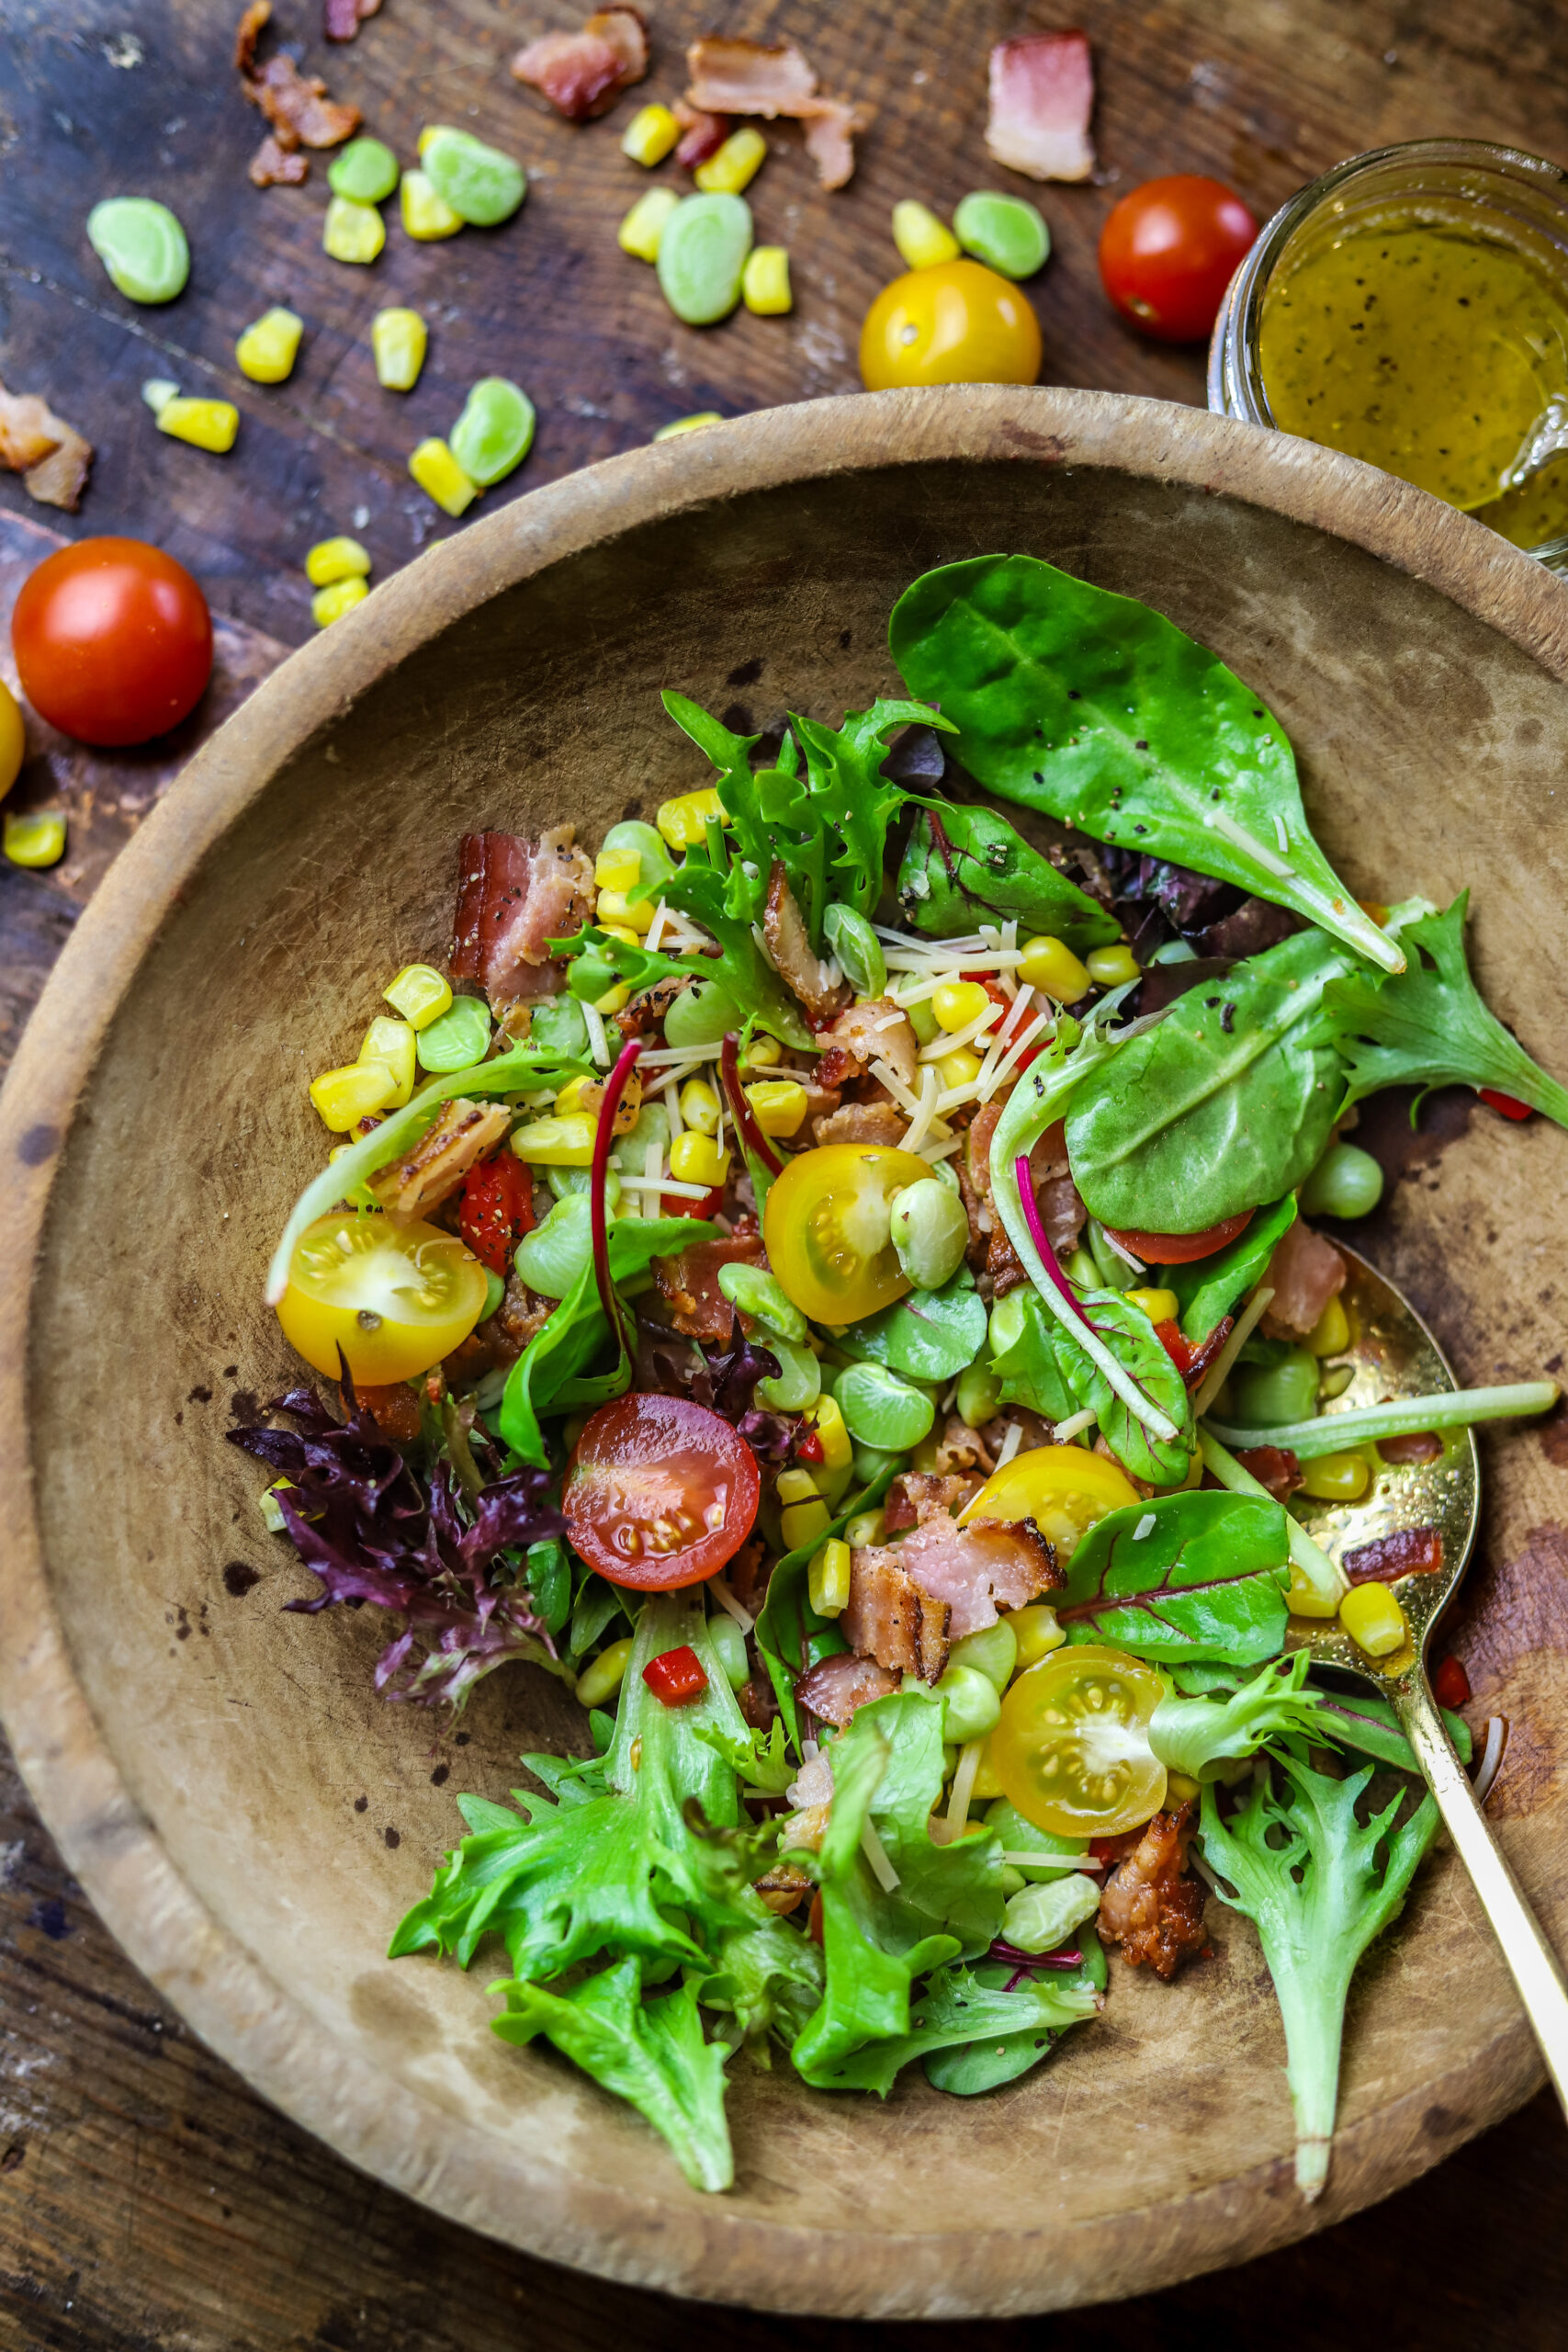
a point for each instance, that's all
(146, 2197)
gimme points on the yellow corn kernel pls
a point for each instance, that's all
(684, 822)
(650, 136)
(1374, 1620)
(679, 424)
(1303, 1599)
(961, 1069)
(334, 560)
(345, 1095)
(421, 994)
(639, 233)
(1336, 1477)
(804, 1522)
(397, 340)
(764, 282)
(696, 1158)
(353, 231)
(13, 739)
(440, 476)
(426, 214)
(922, 239)
(206, 425)
(986, 1785)
(614, 1000)
(604, 1676)
(1330, 1335)
(618, 869)
(1038, 1633)
(797, 1487)
(763, 1053)
(329, 604)
(735, 165)
(827, 1579)
(564, 1142)
(1052, 968)
(1182, 1786)
(1159, 1305)
(778, 1105)
(391, 1043)
(829, 1423)
(1108, 968)
(869, 1528)
(37, 839)
(614, 906)
(158, 392)
(622, 932)
(699, 1106)
(958, 1002)
(269, 349)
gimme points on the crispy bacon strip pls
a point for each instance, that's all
(789, 945)
(1304, 1274)
(1149, 1906)
(342, 19)
(583, 73)
(1408, 1552)
(881, 1123)
(1274, 1466)
(833, 1688)
(1042, 97)
(50, 456)
(992, 1564)
(831, 129)
(514, 897)
(702, 134)
(299, 109)
(464, 1134)
(689, 1283)
(889, 1618)
(747, 77)
(875, 1031)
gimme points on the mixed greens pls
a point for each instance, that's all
(854, 1309)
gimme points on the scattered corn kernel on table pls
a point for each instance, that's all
(146, 2197)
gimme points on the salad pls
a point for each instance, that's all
(832, 1279)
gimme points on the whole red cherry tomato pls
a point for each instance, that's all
(660, 1492)
(113, 641)
(1169, 250)
(1181, 1248)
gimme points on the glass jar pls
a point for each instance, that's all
(1458, 197)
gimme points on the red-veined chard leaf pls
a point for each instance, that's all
(1182, 1576)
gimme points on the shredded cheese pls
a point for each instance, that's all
(1010, 1444)
(875, 1852)
(732, 1607)
(962, 1788)
(896, 1087)
(598, 1044)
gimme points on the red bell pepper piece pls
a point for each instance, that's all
(1451, 1684)
(676, 1677)
(1509, 1106)
(497, 1208)
(1177, 1345)
(809, 1447)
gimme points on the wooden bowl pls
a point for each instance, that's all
(248, 1817)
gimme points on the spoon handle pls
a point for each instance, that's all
(1532, 1963)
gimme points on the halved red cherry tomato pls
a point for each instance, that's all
(1508, 1106)
(1177, 1347)
(660, 1492)
(1181, 1248)
(1168, 250)
(497, 1210)
(113, 641)
(676, 1677)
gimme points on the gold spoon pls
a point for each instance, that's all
(1393, 1355)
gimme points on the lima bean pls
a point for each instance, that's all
(483, 186)
(366, 171)
(702, 1015)
(880, 1409)
(458, 1039)
(971, 1704)
(929, 1231)
(494, 432)
(142, 245)
(1006, 233)
(757, 1292)
(702, 253)
(1044, 1916)
(1346, 1182)
(1270, 1396)
(851, 939)
(992, 1651)
(648, 842)
(551, 1258)
(799, 1382)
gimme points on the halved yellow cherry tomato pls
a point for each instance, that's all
(828, 1229)
(395, 1298)
(1064, 1489)
(1072, 1748)
(956, 324)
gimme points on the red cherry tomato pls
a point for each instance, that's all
(1181, 1248)
(113, 641)
(497, 1207)
(660, 1492)
(1508, 1106)
(1177, 1347)
(1169, 250)
(676, 1677)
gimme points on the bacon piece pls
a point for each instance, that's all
(831, 129)
(689, 1283)
(758, 1702)
(747, 77)
(920, 1495)
(583, 73)
(702, 134)
(878, 1122)
(342, 19)
(464, 1134)
(1061, 1210)
(513, 898)
(976, 1570)
(1408, 1552)
(1274, 1466)
(1201, 1357)
(1304, 1274)
(1149, 1906)
(782, 1888)
(248, 33)
(299, 108)
(890, 1618)
(1042, 98)
(1419, 1445)
(394, 1411)
(273, 166)
(50, 456)
(960, 1449)
(789, 945)
(834, 1688)
(863, 1034)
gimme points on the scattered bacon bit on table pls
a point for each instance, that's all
(702, 134)
(1042, 98)
(583, 73)
(297, 107)
(514, 897)
(1408, 1552)
(342, 19)
(50, 456)
(748, 77)
(1304, 1274)
(273, 166)
(1149, 1906)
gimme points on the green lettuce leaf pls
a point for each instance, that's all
(965, 865)
(957, 2011)
(1198, 1575)
(965, 2069)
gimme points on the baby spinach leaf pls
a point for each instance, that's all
(1041, 1367)
(1097, 711)
(1429, 1026)
(1198, 1575)
(928, 1335)
(1210, 1288)
(1228, 1102)
(1028, 1365)
(964, 867)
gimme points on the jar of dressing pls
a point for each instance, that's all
(1411, 308)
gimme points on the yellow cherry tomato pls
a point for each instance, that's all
(828, 1229)
(1072, 1748)
(13, 739)
(956, 324)
(395, 1298)
(1064, 1489)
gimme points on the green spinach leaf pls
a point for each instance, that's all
(928, 1335)
(966, 865)
(1099, 711)
(1210, 1288)
(1189, 1576)
(1026, 1358)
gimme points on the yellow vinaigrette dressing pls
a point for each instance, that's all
(1430, 351)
